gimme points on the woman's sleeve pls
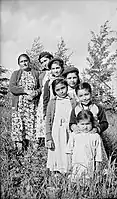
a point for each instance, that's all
(14, 87)
(49, 122)
(46, 97)
(39, 88)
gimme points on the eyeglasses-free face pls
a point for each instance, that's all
(23, 62)
(72, 79)
(84, 96)
(56, 70)
(61, 90)
(84, 125)
(44, 62)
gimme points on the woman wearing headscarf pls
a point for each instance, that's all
(25, 88)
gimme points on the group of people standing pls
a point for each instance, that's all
(55, 107)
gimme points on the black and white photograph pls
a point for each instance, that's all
(58, 99)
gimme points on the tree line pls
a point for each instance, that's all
(101, 63)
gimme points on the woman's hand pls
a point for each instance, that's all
(30, 94)
(26, 91)
(33, 94)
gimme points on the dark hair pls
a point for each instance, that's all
(57, 81)
(60, 64)
(45, 54)
(84, 85)
(85, 114)
(78, 80)
(23, 55)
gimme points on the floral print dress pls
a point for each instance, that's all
(24, 119)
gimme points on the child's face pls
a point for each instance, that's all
(56, 70)
(44, 62)
(72, 79)
(23, 62)
(61, 90)
(84, 96)
(84, 125)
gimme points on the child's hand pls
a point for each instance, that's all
(50, 145)
(94, 130)
(75, 128)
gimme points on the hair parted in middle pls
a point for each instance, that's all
(85, 114)
(57, 81)
(23, 55)
(83, 85)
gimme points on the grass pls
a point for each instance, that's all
(25, 176)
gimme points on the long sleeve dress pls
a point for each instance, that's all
(24, 110)
(59, 132)
(86, 150)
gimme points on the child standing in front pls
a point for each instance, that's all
(85, 147)
(57, 126)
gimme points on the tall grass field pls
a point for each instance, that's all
(24, 176)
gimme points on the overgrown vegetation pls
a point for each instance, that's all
(24, 176)
(102, 61)
(3, 84)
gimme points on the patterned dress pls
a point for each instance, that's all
(24, 119)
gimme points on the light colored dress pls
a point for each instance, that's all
(40, 128)
(57, 159)
(86, 149)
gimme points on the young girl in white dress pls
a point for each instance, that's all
(57, 126)
(85, 148)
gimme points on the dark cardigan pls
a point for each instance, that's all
(101, 116)
(17, 90)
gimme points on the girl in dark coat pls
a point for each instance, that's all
(45, 75)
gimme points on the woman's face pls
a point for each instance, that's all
(85, 125)
(84, 96)
(61, 90)
(72, 79)
(56, 69)
(23, 62)
(44, 62)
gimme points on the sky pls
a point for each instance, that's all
(24, 20)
